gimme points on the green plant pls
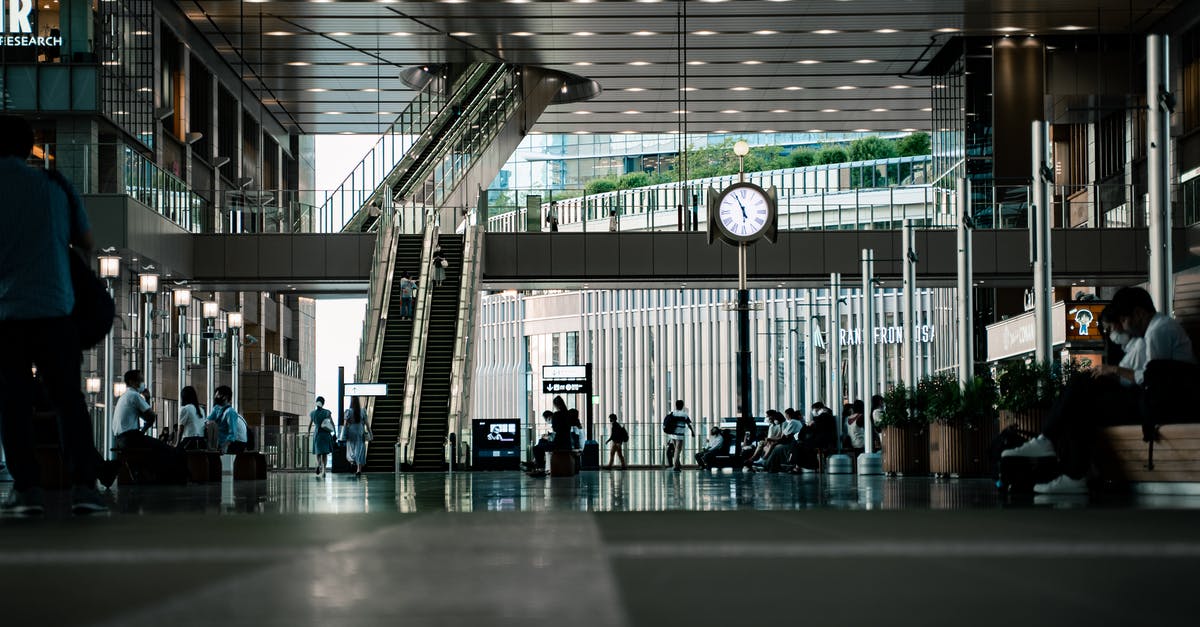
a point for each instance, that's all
(948, 402)
(901, 408)
(978, 406)
(1025, 386)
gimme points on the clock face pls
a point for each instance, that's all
(744, 212)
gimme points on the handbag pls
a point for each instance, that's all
(94, 309)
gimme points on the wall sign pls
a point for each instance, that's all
(16, 27)
(924, 334)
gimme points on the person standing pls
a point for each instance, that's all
(408, 288)
(613, 223)
(191, 421)
(552, 216)
(40, 217)
(439, 267)
(682, 425)
(618, 435)
(323, 431)
(356, 434)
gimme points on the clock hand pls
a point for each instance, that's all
(739, 202)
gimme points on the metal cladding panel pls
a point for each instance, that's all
(274, 257)
(500, 254)
(309, 256)
(568, 254)
(209, 253)
(703, 259)
(601, 254)
(885, 244)
(1084, 253)
(1012, 252)
(842, 252)
(241, 257)
(983, 252)
(342, 258)
(533, 254)
(938, 252)
(771, 259)
(670, 256)
(806, 253)
(636, 254)
(1117, 248)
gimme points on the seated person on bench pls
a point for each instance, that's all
(1112, 395)
(712, 448)
(231, 427)
(544, 445)
(775, 422)
(562, 423)
(166, 462)
(780, 453)
(191, 421)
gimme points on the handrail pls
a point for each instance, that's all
(413, 375)
(468, 304)
(378, 298)
(413, 141)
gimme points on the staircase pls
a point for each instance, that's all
(434, 404)
(397, 339)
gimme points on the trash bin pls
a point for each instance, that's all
(591, 456)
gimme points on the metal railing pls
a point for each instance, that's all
(468, 305)
(414, 374)
(383, 266)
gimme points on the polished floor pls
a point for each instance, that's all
(644, 547)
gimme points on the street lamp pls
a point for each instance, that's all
(110, 269)
(210, 310)
(182, 298)
(92, 386)
(119, 388)
(234, 322)
(148, 286)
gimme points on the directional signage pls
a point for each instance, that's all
(565, 380)
(564, 372)
(566, 387)
(366, 389)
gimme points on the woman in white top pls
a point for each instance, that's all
(191, 421)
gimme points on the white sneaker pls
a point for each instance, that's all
(1062, 485)
(1037, 447)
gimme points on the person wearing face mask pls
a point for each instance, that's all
(155, 461)
(323, 432)
(231, 427)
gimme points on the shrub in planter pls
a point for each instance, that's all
(1026, 391)
(962, 424)
(904, 432)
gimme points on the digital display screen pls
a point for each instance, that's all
(497, 443)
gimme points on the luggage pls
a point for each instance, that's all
(591, 456)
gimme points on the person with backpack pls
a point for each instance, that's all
(408, 288)
(232, 436)
(676, 425)
(618, 435)
(323, 434)
(439, 266)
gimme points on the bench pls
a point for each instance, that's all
(1124, 458)
(249, 466)
(564, 463)
(204, 466)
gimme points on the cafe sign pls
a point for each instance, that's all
(16, 27)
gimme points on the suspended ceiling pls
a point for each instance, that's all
(325, 66)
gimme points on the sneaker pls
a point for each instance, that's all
(86, 501)
(24, 503)
(1037, 447)
(1062, 485)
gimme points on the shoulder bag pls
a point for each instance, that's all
(94, 309)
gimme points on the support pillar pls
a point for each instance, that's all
(909, 264)
(840, 463)
(966, 301)
(869, 463)
(1039, 226)
(1158, 170)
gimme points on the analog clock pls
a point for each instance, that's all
(744, 212)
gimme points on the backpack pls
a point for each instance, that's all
(669, 424)
(619, 434)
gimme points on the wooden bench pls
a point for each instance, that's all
(250, 466)
(1123, 457)
(204, 466)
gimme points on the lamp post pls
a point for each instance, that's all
(234, 322)
(182, 298)
(91, 385)
(110, 269)
(210, 310)
(148, 286)
(745, 420)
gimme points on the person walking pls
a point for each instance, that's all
(618, 435)
(323, 434)
(408, 289)
(613, 223)
(356, 435)
(40, 217)
(681, 424)
(439, 267)
(191, 421)
(552, 216)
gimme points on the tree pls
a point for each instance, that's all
(802, 157)
(869, 148)
(914, 145)
(832, 155)
(599, 186)
(631, 180)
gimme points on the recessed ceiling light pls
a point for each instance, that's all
(779, 110)
(583, 33)
(815, 130)
(886, 31)
(696, 62)
(582, 112)
(401, 34)
(340, 34)
(582, 63)
(908, 130)
(720, 131)
(278, 33)
(643, 33)
(582, 133)
(370, 90)
(639, 63)
(688, 88)
(730, 111)
(681, 112)
(793, 88)
(333, 113)
(1072, 27)
(769, 130)
(705, 33)
(826, 31)
(947, 30)
(865, 61)
(522, 33)
(1009, 29)
(635, 89)
(385, 113)
(356, 63)
(829, 110)
(878, 110)
(298, 63)
(808, 62)
(631, 112)
(739, 88)
(845, 87)
(900, 86)
(316, 90)
(461, 33)
(628, 132)
(752, 62)
(766, 32)
(927, 109)
(862, 130)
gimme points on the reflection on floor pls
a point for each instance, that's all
(647, 547)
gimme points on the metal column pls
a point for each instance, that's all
(869, 385)
(966, 301)
(745, 420)
(1158, 157)
(833, 347)
(181, 358)
(234, 380)
(106, 389)
(1039, 250)
(909, 264)
(148, 345)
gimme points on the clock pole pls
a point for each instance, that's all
(745, 421)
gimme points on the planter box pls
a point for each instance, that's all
(1031, 420)
(956, 451)
(905, 450)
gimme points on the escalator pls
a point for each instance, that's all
(433, 406)
(397, 339)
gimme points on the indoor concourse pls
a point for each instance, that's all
(600, 549)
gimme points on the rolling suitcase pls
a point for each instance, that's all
(591, 456)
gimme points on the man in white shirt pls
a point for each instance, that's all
(712, 448)
(165, 463)
(682, 425)
(1112, 395)
(131, 409)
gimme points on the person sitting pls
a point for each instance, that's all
(820, 435)
(747, 448)
(161, 462)
(1112, 395)
(544, 445)
(191, 421)
(231, 427)
(774, 434)
(781, 452)
(856, 428)
(708, 455)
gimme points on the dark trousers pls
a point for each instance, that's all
(53, 346)
(778, 455)
(539, 452)
(168, 464)
(708, 457)
(1086, 405)
(406, 307)
(235, 447)
(195, 443)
